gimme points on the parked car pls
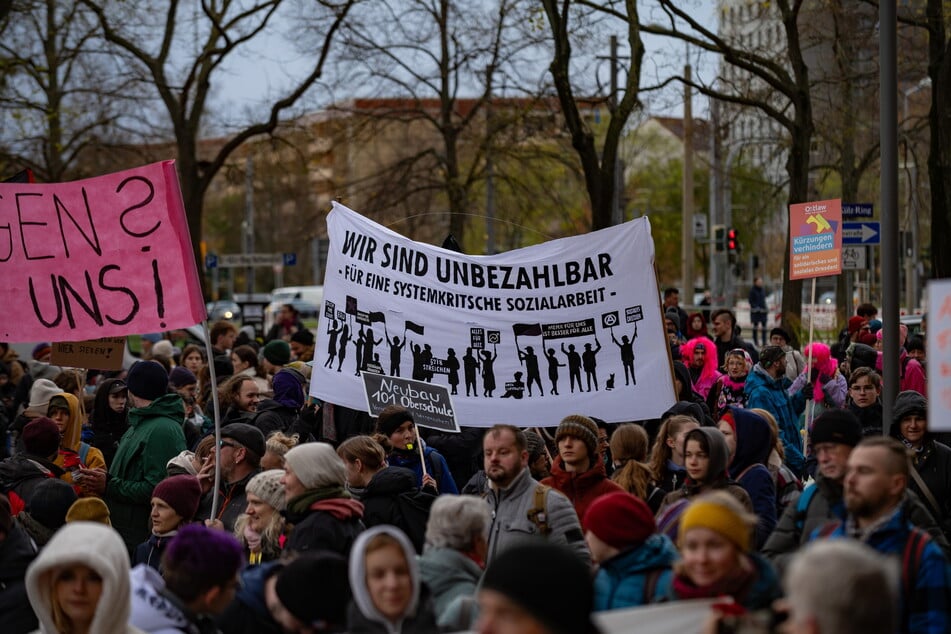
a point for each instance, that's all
(306, 299)
(223, 309)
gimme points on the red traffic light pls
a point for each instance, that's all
(731, 240)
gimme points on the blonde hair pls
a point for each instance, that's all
(365, 449)
(270, 536)
(280, 443)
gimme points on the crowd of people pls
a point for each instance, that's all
(768, 488)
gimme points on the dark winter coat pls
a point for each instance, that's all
(271, 416)
(332, 524)
(232, 502)
(248, 613)
(870, 417)
(20, 474)
(16, 553)
(748, 468)
(440, 472)
(765, 392)
(151, 550)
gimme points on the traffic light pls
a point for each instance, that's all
(732, 243)
(719, 238)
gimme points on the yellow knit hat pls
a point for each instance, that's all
(89, 509)
(714, 513)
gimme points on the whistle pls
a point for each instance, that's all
(409, 446)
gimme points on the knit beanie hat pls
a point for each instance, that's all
(316, 465)
(304, 337)
(620, 520)
(267, 486)
(674, 316)
(582, 428)
(536, 446)
(707, 512)
(855, 324)
(839, 426)
(148, 380)
(181, 376)
(163, 348)
(315, 588)
(40, 437)
(182, 493)
(223, 367)
(391, 418)
(40, 350)
(770, 355)
(780, 332)
(50, 502)
(90, 509)
(564, 607)
(277, 352)
(40, 394)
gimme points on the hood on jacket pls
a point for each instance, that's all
(91, 544)
(103, 417)
(863, 356)
(167, 405)
(753, 436)
(688, 408)
(391, 481)
(907, 403)
(153, 610)
(358, 575)
(717, 451)
(73, 431)
(184, 462)
(658, 551)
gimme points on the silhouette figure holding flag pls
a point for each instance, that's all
(574, 365)
(531, 369)
(396, 351)
(553, 365)
(369, 341)
(627, 354)
(590, 363)
(488, 372)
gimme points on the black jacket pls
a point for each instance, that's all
(318, 529)
(21, 473)
(16, 553)
(271, 416)
(232, 502)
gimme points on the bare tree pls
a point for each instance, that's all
(184, 83)
(783, 95)
(599, 166)
(61, 93)
(431, 67)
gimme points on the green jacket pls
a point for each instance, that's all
(154, 437)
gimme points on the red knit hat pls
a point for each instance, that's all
(855, 323)
(182, 493)
(620, 520)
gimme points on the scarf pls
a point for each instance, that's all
(302, 503)
(736, 584)
(922, 453)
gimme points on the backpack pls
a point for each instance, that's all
(802, 505)
(412, 515)
(538, 514)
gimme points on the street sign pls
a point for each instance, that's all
(861, 233)
(700, 226)
(290, 259)
(854, 258)
(232, 260)
(211, 261)
(856, 210)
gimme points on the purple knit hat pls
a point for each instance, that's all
(288, 390)
(205, 553)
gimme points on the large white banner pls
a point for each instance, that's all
(572, 326)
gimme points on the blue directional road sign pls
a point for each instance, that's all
(861, 233)
(211, 261)
(290, 259)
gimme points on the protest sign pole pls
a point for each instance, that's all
(811, 410)
(214, 401)
(422, 456)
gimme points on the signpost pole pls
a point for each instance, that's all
(812, 320)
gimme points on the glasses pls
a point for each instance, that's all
(225, 443)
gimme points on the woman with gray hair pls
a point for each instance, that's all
(452, 562)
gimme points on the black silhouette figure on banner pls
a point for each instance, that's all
(418, 372)
(369, 342)
(358, 357)
(488, 373)
(531, 369)
(553, 365)
(590, 363)
(396, 352)
(333, 330)
(627, 354)
(471, 364)
(427, 358)
(344, 340)
(574, 365)
(452, 363)
(516, 388)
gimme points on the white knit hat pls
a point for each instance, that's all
(40, 394)
(316, 465)
(267, 486)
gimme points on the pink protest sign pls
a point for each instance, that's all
(105, 256)
(815, 239)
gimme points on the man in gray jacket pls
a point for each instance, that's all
(521, 507)
(835, 433)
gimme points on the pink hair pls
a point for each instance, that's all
(710, 362)
(823, 361)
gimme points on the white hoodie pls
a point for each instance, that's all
(152, 609)
(99, 547)
(358, 578)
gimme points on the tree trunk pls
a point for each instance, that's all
(939, 156)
